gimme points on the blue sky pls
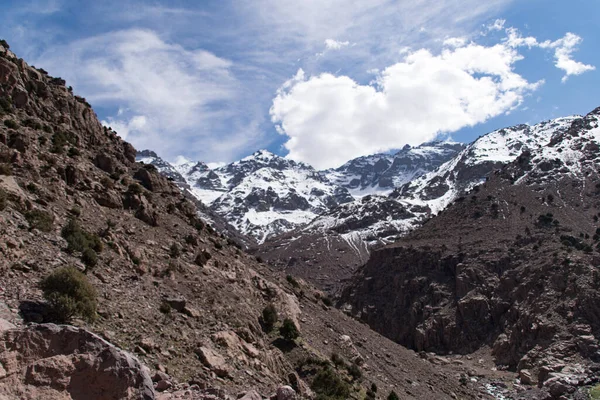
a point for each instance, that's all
(320, 81)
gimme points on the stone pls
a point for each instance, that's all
(525, 377)
(213, 360)
(163, 385)
(286, 393)
(5, 325)
(52, 361)
(251, 395)
(191, 312)
(176, 303)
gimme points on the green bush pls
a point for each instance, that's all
(40, 220)
(288, 330)
(393, 396)
(175, 250)
(328, 385)
(292, 281)
(69, 294)
(135, 188)
(73, 152)
(269, 317)
(9, 123)
(89, 258)
(354, 371)
(78, 239)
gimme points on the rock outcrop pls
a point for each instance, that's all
(64, 362)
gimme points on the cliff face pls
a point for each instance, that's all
(513, 265)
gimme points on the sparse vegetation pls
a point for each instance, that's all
(165, 308)
(329, 386)
(40, 220)
(3, 199)
(9, 123)
(174, 250)
(269, 317)
(393, 396)
(78, 239)
(292, 281)
(5, 169)
(69, 294)
(135, 188)
(288, 330)
(354, 371)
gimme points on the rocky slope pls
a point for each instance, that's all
(512, 265)
(170, 288)
(382, 173)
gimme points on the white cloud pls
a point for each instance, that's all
(331, 44)
(455, 41)
(497, 25)
(563, 50)
(330, 119)
(169, 98)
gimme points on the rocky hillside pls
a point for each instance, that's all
(164, 286)
(512, 265)
(382, 173)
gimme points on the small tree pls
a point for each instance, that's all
(269, 317)
(69, 294)
(393, 396)
(288, 330)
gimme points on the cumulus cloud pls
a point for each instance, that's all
(330, 119)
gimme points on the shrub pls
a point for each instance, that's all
(89, 258)
(327, 301)
(269, 317)
(5, 105)
(9, 123)
(69, 294)
(40, 220)
(354, 371)
(288, 330)
(73, 152)
(337, 360)
(3, 199)
(328, 385)
(292, 281)
(165, 308)
(78, 239)
(5, 169)
(135, 188)
(393, 396)
(4, 44)
(175, 250)
(373, 387)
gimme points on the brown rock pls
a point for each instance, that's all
(51, 361)
(286, 393)
(213, 360)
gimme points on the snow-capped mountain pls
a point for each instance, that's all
(343, 238)
(382, 173)
(437, 189)
(261, 195)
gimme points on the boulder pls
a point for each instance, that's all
(286, 393)
(51, 361)
(251, 395)
(213, 360)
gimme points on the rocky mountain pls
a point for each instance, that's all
(262, 195)
(512, 264)
(92, 238)
(374, 220)
(382, 173)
